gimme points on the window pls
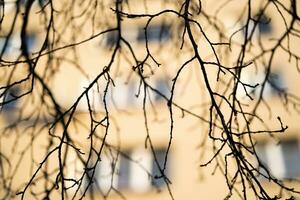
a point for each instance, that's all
(160, 156)
(275, 84)
(270, 155)
(10, 97)
(120, 93)
(264, 25)
(251, 28)
(123, 172)
(262, 156)
(139, 179)
(94, 186)
(111, 39)
(31, 41)
(282, 159)
(291, 157)
(95, 95)
(163, 87)
(13, 46)
(130, 172)
(11, 101)
(129, 33)
(40, 3)
(155, 33)
(261, 27)
(106, 174)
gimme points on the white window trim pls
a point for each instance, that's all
(275, 160)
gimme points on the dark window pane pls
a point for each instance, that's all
(123, 173)
(162, 87)
(276, 83)
(23, 2)
(264, 25)
(30, 41)
(42, 2)
(155, 33)
(160, 156)
(291, 157)
(111, 39)
(92, 182)
(11, 99)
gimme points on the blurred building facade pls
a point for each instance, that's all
(134, 172)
